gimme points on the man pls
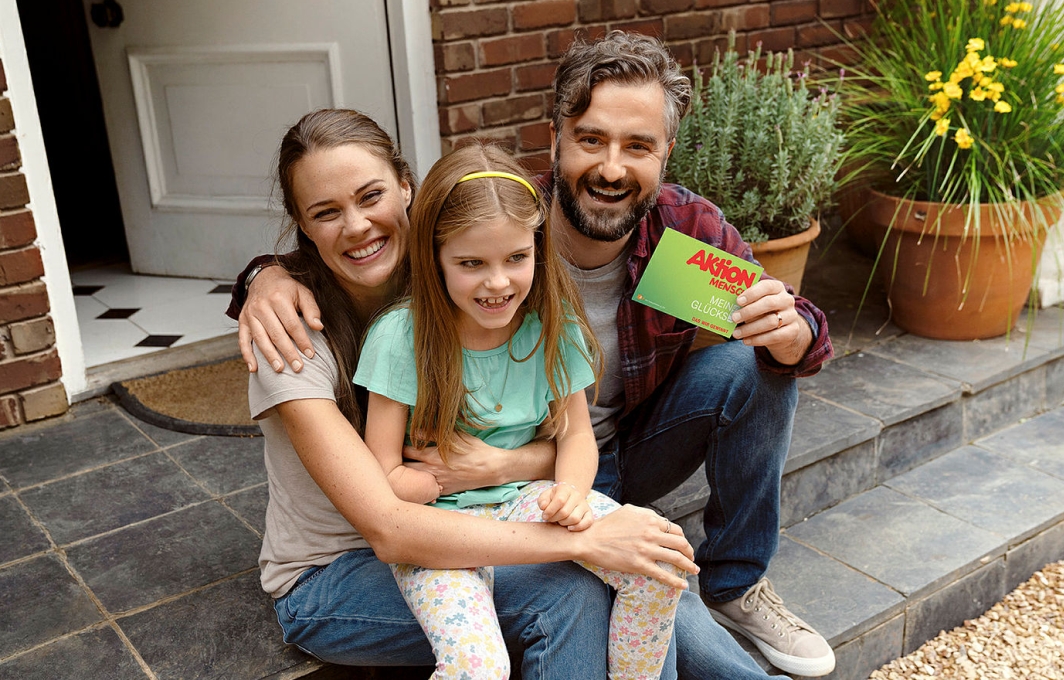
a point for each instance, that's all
(663, 409)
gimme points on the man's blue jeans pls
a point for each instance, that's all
(721, 410)
(351, 612)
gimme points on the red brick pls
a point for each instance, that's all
(38, 369)
(455, 57)
(16, 229)
(746, 18)
(513, 110)
(23, 302)
(535, 77)
(773, 39)
(537, 162)
(683, 53)
(9, 155)
(793, 12)
(659, 7)
(466, 88)
(705, 50)
(713, 4)
(855, 29)
(7, 117)
(833, 9)
(816, 35)
(535, 15)
(3, 78)
(9, 412)
(44, 402)
(512, 49)
(655, 28)
(20, 266)
(836, 54)
(559, 41)
(534, 137)
(13, 190)
(472, 23)
(606, 10)
(456, 119)
(504, 137)
(688, 26)
(437, 4)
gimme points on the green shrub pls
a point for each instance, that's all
(760, 145)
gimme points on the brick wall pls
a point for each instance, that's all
(29, 362)
(495, 60)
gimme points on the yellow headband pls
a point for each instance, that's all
(503, 175)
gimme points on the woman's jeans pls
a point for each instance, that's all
(351, 612)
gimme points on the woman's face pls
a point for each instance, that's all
(353, 207)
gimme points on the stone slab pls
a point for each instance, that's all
(1037, 442)
(1044, 330)
(809, 490)
(81, 443)
(899, 541)
(228, 630)
(1055, 384)
(95, 654)
(919, 439)
(988, 490)
(223, 464)
(837, 601)
(21, 536)
(977, 364)
(1003, 404)
(250, 505)
(160, 435)
(690, 497)
(1023, 560)
(41, 601)
(165, 556)
(880, 388)
(112, 497)
(822, 429)
(945, 609)
(856, 659)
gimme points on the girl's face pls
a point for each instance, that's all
(353, 207)
(488, 271)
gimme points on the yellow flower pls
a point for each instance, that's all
(1006, 20)
(1059, 89)
(1058, 69)
(990, 2)
(978, 94)
(988, 64)
(975, 44)
(942, 127)
(933, 75)
(1012, 7)
(1002, 107)
(935, 86)
(985, 81)
(1060, 98)
(1026, 7)
(1019, 23)
(952, 90)
(963, 138)
(1008, 63)
(996, 87)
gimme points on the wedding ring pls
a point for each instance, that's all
(779, 321)
(668, 526)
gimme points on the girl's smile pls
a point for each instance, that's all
(488, 270)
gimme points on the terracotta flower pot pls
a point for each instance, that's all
(784, 258)
(946, 283)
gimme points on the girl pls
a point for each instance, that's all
(493, 343)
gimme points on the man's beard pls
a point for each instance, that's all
(601, 225)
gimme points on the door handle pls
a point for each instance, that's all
(106, 14)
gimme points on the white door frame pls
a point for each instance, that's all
(413, 74)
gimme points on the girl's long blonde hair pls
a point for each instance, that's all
(442, 209)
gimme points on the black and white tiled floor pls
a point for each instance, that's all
(123, 315)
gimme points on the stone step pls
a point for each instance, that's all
(921, 486)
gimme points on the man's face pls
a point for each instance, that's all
(609, 161)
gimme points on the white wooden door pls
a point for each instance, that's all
(197, 94)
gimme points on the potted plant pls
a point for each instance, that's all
(955, 113)
(765, 148)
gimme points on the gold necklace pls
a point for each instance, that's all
(484, 383)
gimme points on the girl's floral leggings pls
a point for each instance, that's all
(455, 607)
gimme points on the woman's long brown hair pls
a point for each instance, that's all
(344, 327)
(442, 209)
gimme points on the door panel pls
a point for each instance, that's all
(197, 94)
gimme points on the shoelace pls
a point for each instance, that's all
(763, 594)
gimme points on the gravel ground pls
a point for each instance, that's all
(1020, 637)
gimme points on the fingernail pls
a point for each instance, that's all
(309, 354)
(251, 369)
(741, 300)
(277, 365)
(736, 317)
(297, 365)
(737, 333)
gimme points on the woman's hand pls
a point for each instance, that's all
(270, 318)
(767, 318)
(476, 464)
(634, 540)
(564, 504)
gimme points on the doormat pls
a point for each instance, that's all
(208, 399)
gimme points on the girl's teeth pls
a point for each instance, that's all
(367, 251)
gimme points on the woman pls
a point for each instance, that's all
(333, 521)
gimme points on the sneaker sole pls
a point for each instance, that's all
(785, 662)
